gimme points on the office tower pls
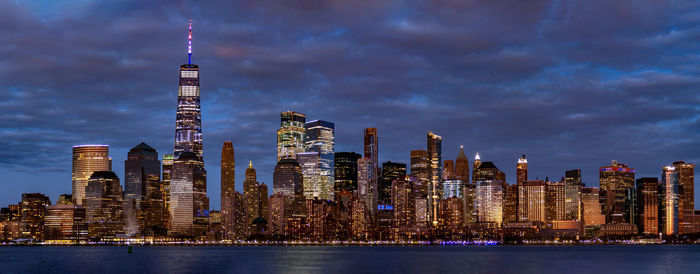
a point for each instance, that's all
(311, 171)
(592, 213)
(251, 195)
(290, 136)
(648, 205)
(421, 211)
(521, 170)
(470, 212)
(448, 172)
(390, 172)
(278, 213)
(188, 122)
(366, 186)
(686, 194)
(228, 188)
(167, 162)
(615, 180)
(434, 145)
(239, 223)
(462, 166)
(475, 166)
(403, 203)
(572, 180)
(264, 201)
(288, 179)
(104, 205)
(451, 214)
(489, 201)
(317, 213)
(320, 140)
(188, 202)
(65, 222)
(33, 210)
(143, 200)
(531, 203)
(555, 201)
(360, 219)
(65, 199)
(668, 193)
(346, 171)
(419, 170)
(452, 188)
(510, 209)
(86, 160)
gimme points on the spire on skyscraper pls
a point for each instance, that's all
(189, 45)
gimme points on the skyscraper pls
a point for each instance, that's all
(572, 180)
(448, 170)
(320, 139)
(290, 136)
(462, 166)
(531, 201)
(366, 186)
(143, 200)
(65, 222)
(188, 122)
(228, 189)
(475, 166)
(33, 210)
(555, 201)
(648, 205)
(104, 205)
(86, 160)
(668, 193)
(346, 171)
(490, 182)
(521, 170)
(189, 205)
(434, 144)
(371, 149)
(419, 170)
(288, 179)
(251, 195)
(403, 203)
(615, 180)
(390, 172)
(592, 213)
(686, 195)
(167, 163)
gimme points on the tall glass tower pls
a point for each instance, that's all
(290, 136)
(188, 124)
(320, 140)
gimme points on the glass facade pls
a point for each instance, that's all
(320, 140)
(290, 136)
(143, 204)
(669, 200)
(434, 144)
(188, 123)
(86, 160)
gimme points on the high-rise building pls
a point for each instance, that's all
(448, 170)
(143, 200)
(104, 205)
(390, 172)
(555, 201)
(615, 180)
(475, 166)
(371, 152)
(65, 199)
(188, 122)
(648, 205)
(462, 166)
(65, 222)
(167, 163)
(278, 213)
(403, 203)
(228, 189)
(510, 209)
(366, 186)
(521, 170)
(290, 136)
(33, 210)
(264, 201)
(360, 218)
(452, 188)
(86, 160)
(592, 213)
(434, 144)
(320, 139)
(669, 200)
(686, 195)
(451, 213)
(238, 216)
(346, 171)
(288, 179)
(189, 206)
(251, 193)
(489, 182)
(573, 183)
(419, 170)
(531, 201)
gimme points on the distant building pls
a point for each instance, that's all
(686, 196)
(592, 213)
(452, 188)
(490, 182)
(86, 160)
(319, 139)
(278, 213)
(403, 203)
(555, 201)
(648, 205)
(434, 144)
(462, 166)
(288, 179)
(390, 172)
(521, 170)
(448, 170)
(366, 186)
(65, 199)
(251, 193)
(346, 171)
(104, 205)
(532, 196)
(615, 180)
(669, 200)
(143, 200)
(33, 210)
(189, 206)
(167, 168)
(228, 189)
(419, 170)
(573, 184)
(65, 222)
(290, 136)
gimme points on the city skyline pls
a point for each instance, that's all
(42, 164)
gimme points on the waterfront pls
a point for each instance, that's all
(353, 259)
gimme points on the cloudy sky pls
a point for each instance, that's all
(572, 84)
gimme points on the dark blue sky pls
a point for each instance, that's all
(572, 84)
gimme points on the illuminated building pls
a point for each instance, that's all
(288, 179)
(189, 206)
(366, 186)
(264, 201)
(167, 162)
(65, 199)
(345, 171)
(421, 211)
(390, 172)
(448, 170)
(470, 213)
(462, 166)
(531, 203)
(668, 195)
(371, 152)
(33, 210)
(252, 196)
(104, 205)
(434, 144)
(686, 194)
(403, 203)
(319, 139)
(239, 223)
(615, 180)
(489, 201)
(510, 210)
(648, 205)
(451, 213)
(419, 170)
(278, 213)
(521, 170)
(86, 160)
(572, 205)
(360, 220)
(188, 122)
(475, 167)
(317, 212)
(65, 222)
(590, 200)
(143, 200)
(555, 201)
(228, 188)
(452, 188)
(290, 136)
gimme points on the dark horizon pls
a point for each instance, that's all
(501, 79)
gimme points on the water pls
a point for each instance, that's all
(352, 259)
